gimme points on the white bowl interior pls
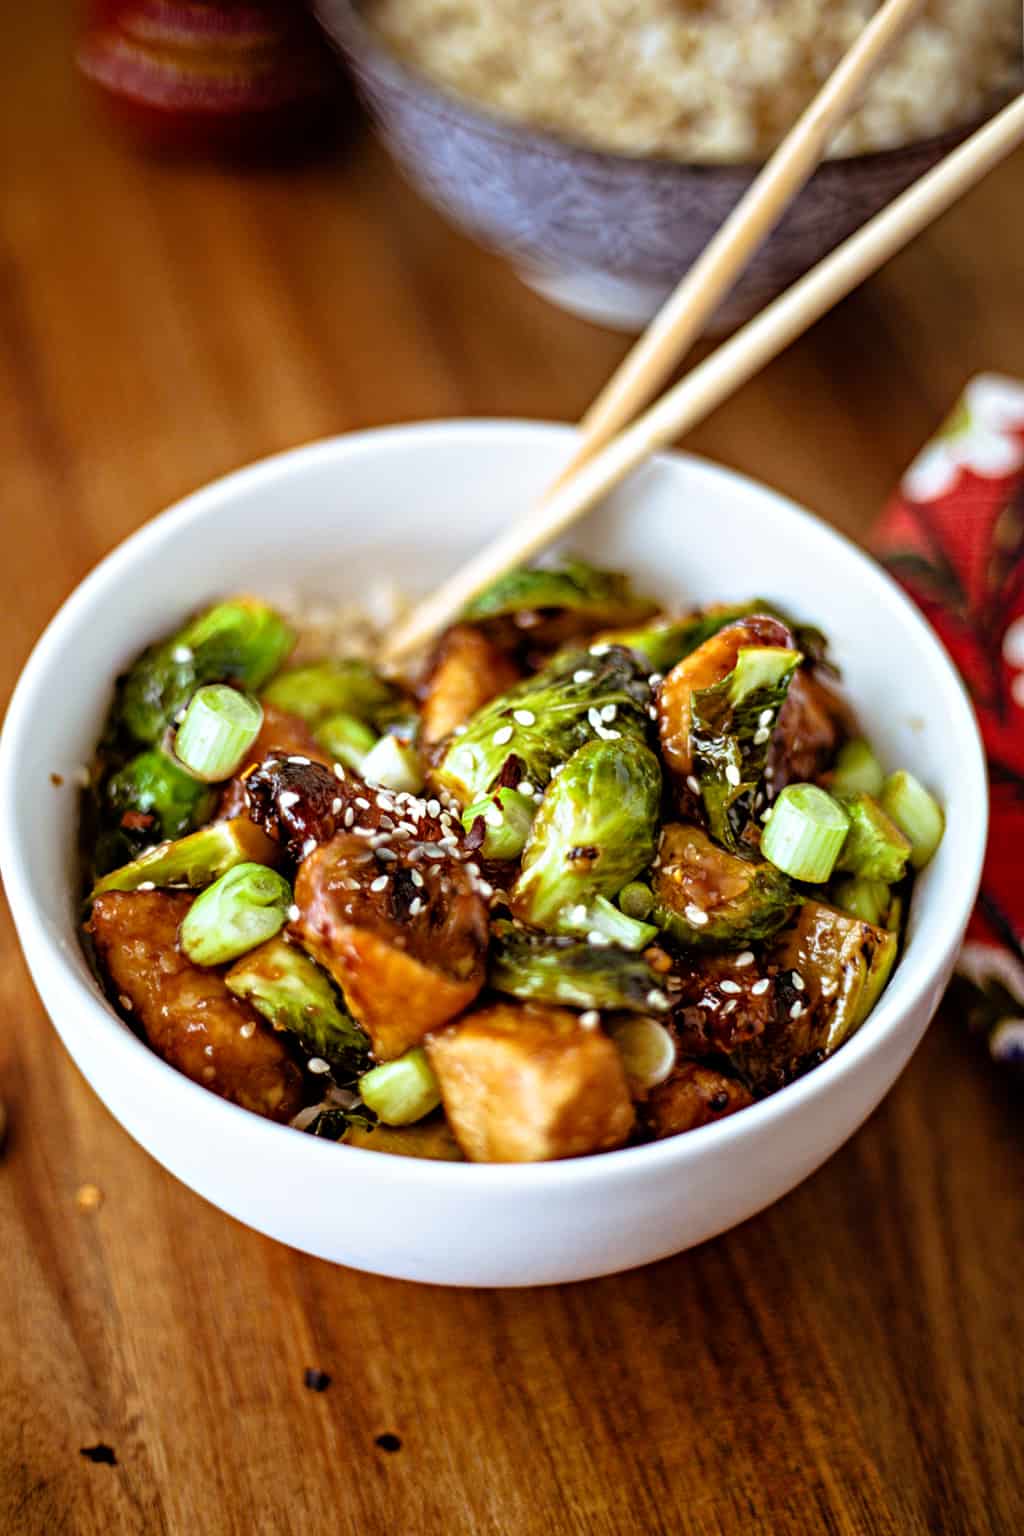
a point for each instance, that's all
(410, 504)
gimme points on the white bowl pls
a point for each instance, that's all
(411, 502)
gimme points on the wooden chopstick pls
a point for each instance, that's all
(684, 315)
(724, 372)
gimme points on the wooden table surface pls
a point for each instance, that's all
(849, 1361)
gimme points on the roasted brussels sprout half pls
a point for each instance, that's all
(832, 968)
(706, 897)
(595, 831)
(537, 725)
(241, 641)
(196, 860)
(292, 992)
(587, 597)
(539, 968)
(321, 689)
(150, 798)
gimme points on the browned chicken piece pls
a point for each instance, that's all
(811, 724)
(282, 733)
(694, 1095)
(720, 1004)
(704, 667)
(524, 1084)
(401, 928)
(469, 672)
(187, 1013)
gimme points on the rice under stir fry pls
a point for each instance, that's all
(703, 80)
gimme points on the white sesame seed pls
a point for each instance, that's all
(695, 915)
(416, 878)
(385, 802)
(179, 717)
(556, 770)
(652, 712)
(435, 853)
(594, 717)
(692, 784)
(766, 814)
(796, 1010)
(362, 802)
(827, 987)
(611, 735)
(760, 987)
(293, 913)
(181, 654)
(524, 717)
(433, 807)
(388, 854)
(485, 889)
(308, 847)
(339, 772)
(609, 712)
(729, 986)
(591, 1019)
(460, 730)
(248, 1029)
(318, 1065)
(472, 869)
(578, 915)
(601, 649)
(336, 805)
(502, 735)
(732, 775)
(598, 940)
(363, 832)
(657, 1000)
(769, 773)
(761, 736)
(303, 762)
(415, 907)
(380, 884)
(730, 1006)
(765, 717)
(148, 885)
(125, 1001)
(656, 678)
(350, 816)
(797, 980)
(287, 798)
(526, 788)
(745, 957)
(584, 675)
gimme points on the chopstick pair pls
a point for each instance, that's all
(603, 459)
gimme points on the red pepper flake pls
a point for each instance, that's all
(137, 821)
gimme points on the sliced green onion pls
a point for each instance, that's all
(402, 1091)
(647, 1049)
(857, 769)
(245, 907)
(219, 727)
(866, 899)
(636, 900)
(806, 831)
(917, 814)
(600, 920)
(875, 848)
(194, 860)
(394, 765)
(348, 740)
(760, 668)
(508, 817)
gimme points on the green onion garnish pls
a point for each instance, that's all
(857, 769)
(394, 764)
(647, 1049)
(806, 831)
(917, 814)
(600, 920)
(245, 907)
(869, 900)
(219, 727)
(875, 848)
(348, 740)
(508, 817)
(402, 1091)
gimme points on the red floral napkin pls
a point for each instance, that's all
(953, 537)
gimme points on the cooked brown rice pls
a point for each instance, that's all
(702, 80)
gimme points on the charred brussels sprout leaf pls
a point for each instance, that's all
(542, 721)
(343, 687)
(843, 964)
(601, 597)
(292, 992)
(538, 968)
(707, 898)
(731, 725)
(241, 641)
(664, 643)
(196, 860)
(595, 831)
(335, 1123)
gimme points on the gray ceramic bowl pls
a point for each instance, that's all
(604, 235)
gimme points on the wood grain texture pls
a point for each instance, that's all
(847, 1363)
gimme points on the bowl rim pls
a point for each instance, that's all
(199, 1104)
(364, 41)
